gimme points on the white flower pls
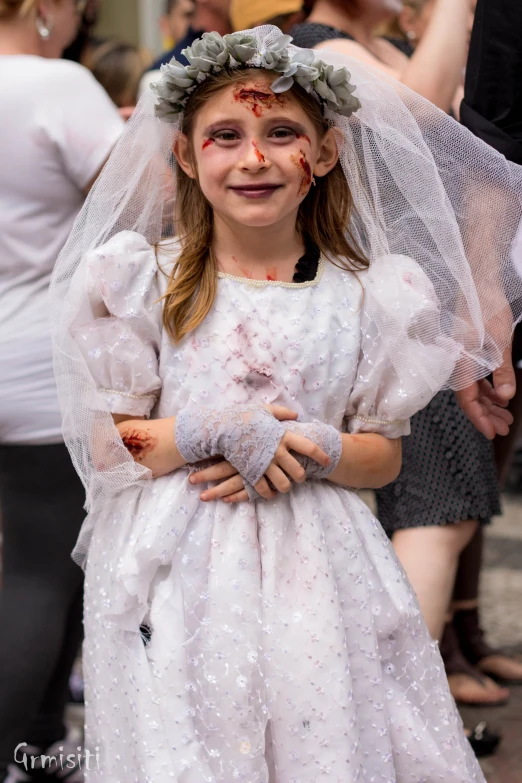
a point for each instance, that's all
(241, 47)
(208, 53)
(241, 681)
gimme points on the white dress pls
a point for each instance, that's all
(284, 642)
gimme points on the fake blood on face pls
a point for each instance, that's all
(138, 443)
(207, 143)
(259, 154)
(303, 136)
(257, 99)
(306, 172)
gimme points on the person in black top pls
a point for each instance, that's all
(348, 26)
(209, 16)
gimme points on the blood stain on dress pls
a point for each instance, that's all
(138, 443)
(259, 154)
(257, 99)
(207, 143)
(306, 172)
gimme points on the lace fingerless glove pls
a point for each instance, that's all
(323, 435)
(245, 435)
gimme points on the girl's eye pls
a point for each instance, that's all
(225, 135)
(282, 133)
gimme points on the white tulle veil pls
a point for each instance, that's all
(422, 185)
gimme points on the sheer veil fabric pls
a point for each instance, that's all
(423, 187)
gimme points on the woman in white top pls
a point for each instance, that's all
(57, 129)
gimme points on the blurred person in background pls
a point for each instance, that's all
(435, 69)
(86, 39)
(473, 492)
(245, 14)
(448, 474)
(58, 128)
(208, 16)
(176, 21)
(118, 67)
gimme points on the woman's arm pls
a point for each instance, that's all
(368, 461)
(435, 69)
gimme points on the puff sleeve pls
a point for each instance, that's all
(404, 358)
(118, 329)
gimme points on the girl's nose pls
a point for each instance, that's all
(254, 158)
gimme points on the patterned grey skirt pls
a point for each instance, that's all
(448, 472)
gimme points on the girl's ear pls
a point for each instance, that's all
(328, 154)
(183, 155)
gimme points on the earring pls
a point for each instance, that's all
(314, 183)
(411, 35)
(44, 27)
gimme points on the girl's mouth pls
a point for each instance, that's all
(260, 190)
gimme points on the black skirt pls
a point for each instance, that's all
(448, 472)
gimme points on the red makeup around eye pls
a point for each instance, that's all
(207, 143)
(303, 136)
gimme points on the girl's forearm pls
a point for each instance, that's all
(151, 443)
(368, 461)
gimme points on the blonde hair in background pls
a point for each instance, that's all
(324, 218)
(118, 67)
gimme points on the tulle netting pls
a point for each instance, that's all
(423, 187)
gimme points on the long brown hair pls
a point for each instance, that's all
(323, 219)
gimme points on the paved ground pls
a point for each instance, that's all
(502, 615)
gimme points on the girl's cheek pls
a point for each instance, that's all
(304, 169)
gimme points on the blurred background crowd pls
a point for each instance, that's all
(123, 43)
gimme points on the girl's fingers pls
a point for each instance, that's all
(281, 413)
(217, 472)
(239, 497)
(228, 487)
(293, 442)
(264, 489)
(290, 465)
(278, 478)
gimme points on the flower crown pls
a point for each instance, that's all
(214, 53)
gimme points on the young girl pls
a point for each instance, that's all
(245, 616)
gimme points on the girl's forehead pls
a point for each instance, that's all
(254, 96)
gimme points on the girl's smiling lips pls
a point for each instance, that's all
(259, 190)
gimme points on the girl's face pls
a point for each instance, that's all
(255, 153)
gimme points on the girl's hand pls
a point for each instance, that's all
(283, 469)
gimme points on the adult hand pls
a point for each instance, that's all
(485, 404)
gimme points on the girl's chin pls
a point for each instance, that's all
(258, 215)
